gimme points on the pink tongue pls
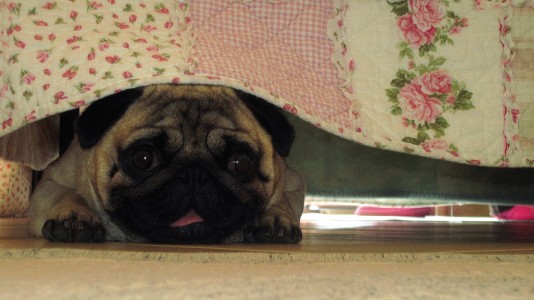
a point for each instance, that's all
(190, 218)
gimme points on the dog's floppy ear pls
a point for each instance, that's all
(102, 115)
(272, 120)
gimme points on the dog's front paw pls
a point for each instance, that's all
(276, 229)
(74, 227)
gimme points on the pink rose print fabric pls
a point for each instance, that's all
(404, 75)
(423, 93)
(58, 55)
(426, 14)
(417, 105)
(413, 34)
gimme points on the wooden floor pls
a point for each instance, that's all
(342, 235)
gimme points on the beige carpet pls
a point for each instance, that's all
(66, 273)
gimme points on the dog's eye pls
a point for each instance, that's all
(240, 163)
(143, 159)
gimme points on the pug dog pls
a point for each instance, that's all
(173, 164)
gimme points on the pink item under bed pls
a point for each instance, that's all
(517, 213)
(394, 211)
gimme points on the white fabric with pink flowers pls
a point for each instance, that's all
(427, 77)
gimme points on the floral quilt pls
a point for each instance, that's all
(447, 79)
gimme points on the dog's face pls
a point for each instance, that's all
(184, 163)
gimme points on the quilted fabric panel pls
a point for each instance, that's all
(428, 77)
(56, 55)
(283, 49)
(421, 85)
(523, 37)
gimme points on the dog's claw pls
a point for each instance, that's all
(264, 235)
(72, 229)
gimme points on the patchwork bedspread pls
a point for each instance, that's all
(448, 79)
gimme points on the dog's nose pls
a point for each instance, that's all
(193, 176)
